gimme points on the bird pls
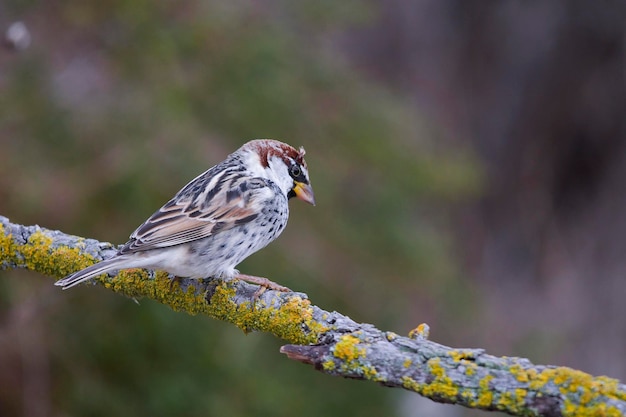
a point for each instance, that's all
(218, 219)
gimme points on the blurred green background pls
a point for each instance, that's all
(467, 158)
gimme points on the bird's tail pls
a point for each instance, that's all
(92, 271)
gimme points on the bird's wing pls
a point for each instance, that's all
(208, 205)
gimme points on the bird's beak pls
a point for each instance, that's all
(304, 192)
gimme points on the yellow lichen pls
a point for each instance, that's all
(38, 254)
(519, 373)
(391, 336)
(348, 351)
(485, 394)
(407, 363)
(512, 401)
(6, 245)
(579, 389)
(442, 385)
(470, 368)
(467, 394)
(420, 332)
(328, 365)
(410, 384)
(347, 348)
(370, 373)
(460, 355)
(434, 365)
(288, 321)
(292, 321)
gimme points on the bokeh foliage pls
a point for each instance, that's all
(117, 104)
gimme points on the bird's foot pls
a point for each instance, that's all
(264, 285)
(175, 281)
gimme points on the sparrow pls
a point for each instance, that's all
(217, 220)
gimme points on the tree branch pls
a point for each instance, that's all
(331, 342)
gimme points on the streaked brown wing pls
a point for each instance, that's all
(184, 220)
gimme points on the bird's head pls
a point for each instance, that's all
(283, 164)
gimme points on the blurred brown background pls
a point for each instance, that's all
(468, 158)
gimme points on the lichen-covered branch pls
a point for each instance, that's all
(331, 342)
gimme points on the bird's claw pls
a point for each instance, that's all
(264, 285)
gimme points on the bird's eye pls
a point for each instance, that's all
(295, 171)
